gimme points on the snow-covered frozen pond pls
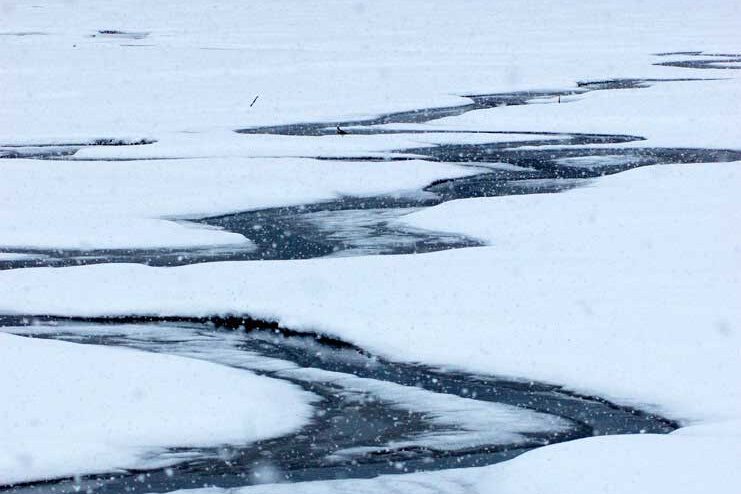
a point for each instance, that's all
(382, 246)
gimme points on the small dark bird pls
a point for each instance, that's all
(341, 132)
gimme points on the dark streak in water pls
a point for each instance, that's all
(23, 33)
(115, 33)
(718, 61)
(62, 149)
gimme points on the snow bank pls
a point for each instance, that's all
(695, 460)
(690, 461)
(71, 409)
(92, 205)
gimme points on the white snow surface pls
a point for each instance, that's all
(70, 409)
(201, 64)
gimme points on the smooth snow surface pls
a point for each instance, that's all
(70, 409)
(198, 66)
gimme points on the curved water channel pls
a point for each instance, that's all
(374, 416)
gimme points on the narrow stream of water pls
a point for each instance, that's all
(374, 416)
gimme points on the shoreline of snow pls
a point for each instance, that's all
(134, 204)
(70, 409)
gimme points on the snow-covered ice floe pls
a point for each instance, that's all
(93, 205)
(69, 409)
